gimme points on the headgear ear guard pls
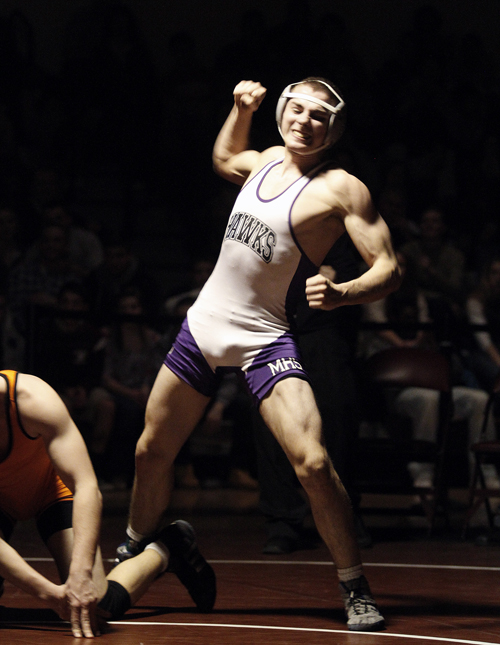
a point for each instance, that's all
(335, 125)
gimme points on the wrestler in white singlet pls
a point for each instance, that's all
(247, 302)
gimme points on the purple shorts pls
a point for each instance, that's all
(278, 360)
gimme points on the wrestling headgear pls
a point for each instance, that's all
(336, 124)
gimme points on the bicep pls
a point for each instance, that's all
(370, 235)
(69, 455)
(238, 167)
(44, 413)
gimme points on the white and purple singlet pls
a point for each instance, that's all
(242, 316)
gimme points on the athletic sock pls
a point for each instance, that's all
(350, 573)
(162, 551)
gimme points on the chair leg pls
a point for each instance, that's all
(473, 504)
(440, 495)
(477, 497)
(489, 512)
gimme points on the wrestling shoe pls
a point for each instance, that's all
(129, 549)
(360, 607)
(188, 564)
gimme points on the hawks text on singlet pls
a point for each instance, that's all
(252, 232)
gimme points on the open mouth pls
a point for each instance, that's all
(301, 136)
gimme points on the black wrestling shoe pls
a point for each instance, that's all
(280, 545)
(188, 564)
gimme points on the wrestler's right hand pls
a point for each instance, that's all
(248, 95)
(81, 596)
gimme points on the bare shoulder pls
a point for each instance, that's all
(241, 167)
(348, 194)
(265, 157)
(272, 153)
(39, 405)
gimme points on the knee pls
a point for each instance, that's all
(314, 468)
(115, 603)
(150, 449)
(147, 448)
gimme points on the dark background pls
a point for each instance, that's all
(124, 99)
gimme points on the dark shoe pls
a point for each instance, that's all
(363, 537)
(296, 539)
(129, 549)
(360, 608)
(280, 545)
(188, 564)
(488, 539)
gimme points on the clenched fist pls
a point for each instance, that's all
(248, 95)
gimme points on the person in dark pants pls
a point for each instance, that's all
(327, 342)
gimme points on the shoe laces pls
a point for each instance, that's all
(360, 604)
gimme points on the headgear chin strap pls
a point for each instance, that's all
(335, 127)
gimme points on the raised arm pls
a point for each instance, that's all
(372, 239)
(43, 413)
(231, 157)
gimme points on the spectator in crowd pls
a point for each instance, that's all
(437, 264)
(483, 308)
(392, 205)
(407, 309)
(11, 249)
(199, 273)
(120, 270)
(36, 281)
(12, 343)
(70, 357)
(133, 357)
(84, 247)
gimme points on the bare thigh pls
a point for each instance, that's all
(174, 408)
(291, 413)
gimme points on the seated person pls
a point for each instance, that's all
(483, 308)
(132, 358)
(421, 405)
(70, 357)
(438, 267)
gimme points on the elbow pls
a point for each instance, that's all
(396, 277)
(218, 166)
(96, 495)
(99, 498)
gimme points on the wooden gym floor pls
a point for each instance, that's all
(438, 589)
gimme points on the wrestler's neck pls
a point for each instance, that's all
(299, 164)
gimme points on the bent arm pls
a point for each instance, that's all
(43, 413)
(371, 236)
(231, 157)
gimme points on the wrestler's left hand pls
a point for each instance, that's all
(57, 601)
(324, 294)
(81, 595)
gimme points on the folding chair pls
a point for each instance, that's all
(400, 367)
(484, 452)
